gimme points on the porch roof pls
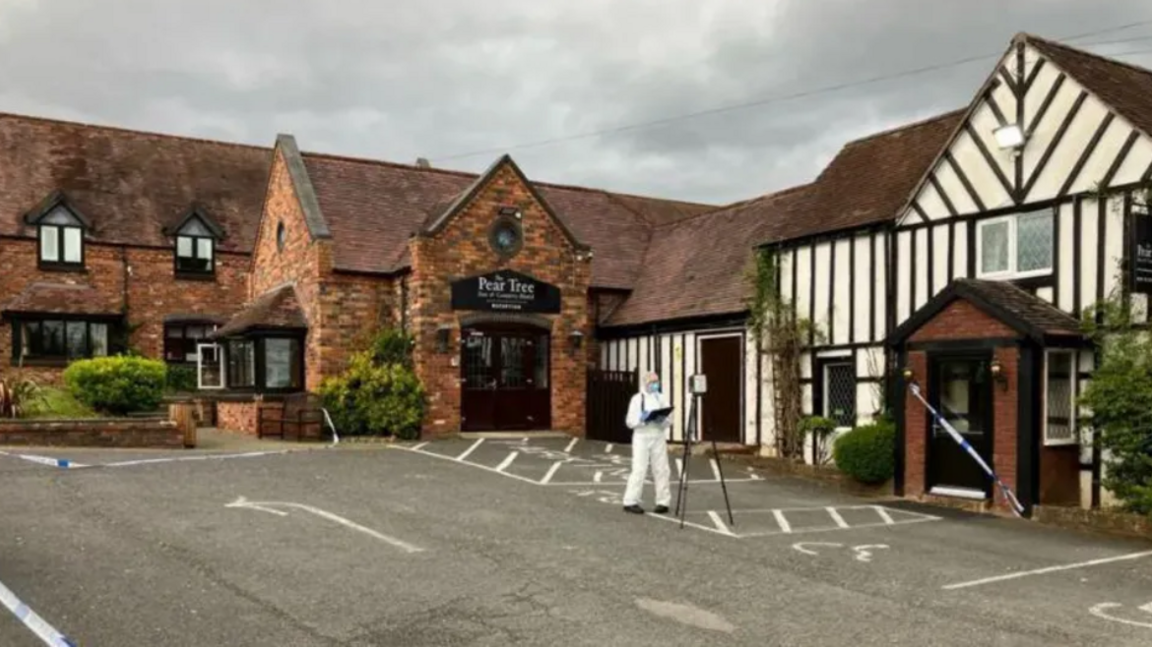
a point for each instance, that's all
(278, 308)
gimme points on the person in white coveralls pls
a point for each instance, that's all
(649, 447)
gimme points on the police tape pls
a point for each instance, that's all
(47, 460)
(42, 629)
(967, 447)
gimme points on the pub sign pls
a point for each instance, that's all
(1141, 253)
(505, 291)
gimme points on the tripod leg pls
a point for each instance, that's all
(723, 485)
(681, 484)
(689, 432)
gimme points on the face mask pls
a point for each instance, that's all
(654, 387)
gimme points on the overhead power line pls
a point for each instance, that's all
(797, 95)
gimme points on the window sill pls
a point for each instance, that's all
(62, 267)
(195, 276)
(52, 362)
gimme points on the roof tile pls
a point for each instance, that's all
(62, 298)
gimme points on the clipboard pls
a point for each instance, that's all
(658, 415)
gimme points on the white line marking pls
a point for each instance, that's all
(476, 465)
(679, 467)
(31, 619)
(836, 517)
(608, 449)
(420, 446)
(781, 521)
(1098, 611)
(804, 531)
(1050, 569)
(551, 471)
(698, 526)
(720, 525)
(801, 546)
(568, 449)
(863, 554)
(597, 476)
(265, 506)
(507, 461)
(883, 512)
(715, 469)
(647, 481)
(471, 449)
(203, 457)
(47, 460)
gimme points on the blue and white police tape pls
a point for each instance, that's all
(335, 436)
(42, 629)
(967, 447)
(48, 460)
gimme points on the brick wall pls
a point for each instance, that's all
(461, 249)
(1060, 475)
(962, 320)
(153, 290)
(145, 432)
(916, 429)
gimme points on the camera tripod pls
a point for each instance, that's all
(682, 487)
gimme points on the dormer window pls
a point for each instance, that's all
(61, 236)
(195, 237)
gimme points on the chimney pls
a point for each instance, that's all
(422, 162)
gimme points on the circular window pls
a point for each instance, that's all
(505, 237)
(281, 237)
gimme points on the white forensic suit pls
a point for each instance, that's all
(649, 448)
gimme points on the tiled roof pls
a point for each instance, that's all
(698, 266)
(1026, 308)
(276, 308)
(373, 207)
(131, 185)
(870, 179)
(1126, 88)
(62, 298)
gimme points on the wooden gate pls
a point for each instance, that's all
(608, 395)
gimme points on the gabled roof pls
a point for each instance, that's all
(130, 185)
(48, 204)
(278, 308)
(62, 298)
(1024, 312)
(442, 217)
(1126, 88)
(698, 266)
(196, 212)
(374, 207)
(869, 179)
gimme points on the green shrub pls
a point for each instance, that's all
(373, 398)
(392, 346)
(117, 385)
(181, 379)
(18, 396)
(868, 453)
(59, 404)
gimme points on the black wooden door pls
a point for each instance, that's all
(478, 381)
(720, 362)
(606, 405)
(506, 381)
(961, 390)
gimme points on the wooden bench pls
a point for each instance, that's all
(299, 417)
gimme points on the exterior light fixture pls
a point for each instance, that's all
(576, 340)
(1009, 137)
(442, 334)
(998, 375)
(908, 374)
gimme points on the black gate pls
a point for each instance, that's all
(608, 395)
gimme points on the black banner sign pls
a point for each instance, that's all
(1141, 253)
(505, 291)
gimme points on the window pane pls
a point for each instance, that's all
(1034, 242)
(53, 338)
(840, 394)
(994, 247)
(174, 332)
(77, 333)
(204, 248)
(195, 332)
(1059, 414)
(49, 244)
(241, 364)
(99, 333)
(541, 367)
(72, 243)
(30, 341)
(281, 359)
(183, 246)
(210, 374)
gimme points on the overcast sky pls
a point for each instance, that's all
(394, 80)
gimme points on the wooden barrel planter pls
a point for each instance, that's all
(184, 415)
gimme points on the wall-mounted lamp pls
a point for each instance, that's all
(1009, 137)
(998, 375)
(908, 374)
(442, 334)
(511, 211)
(575, 340)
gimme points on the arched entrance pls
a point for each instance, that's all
(505, 371)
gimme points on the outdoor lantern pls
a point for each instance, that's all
(908, 374)
(442, 334)
(1009, 137)
(998, 376)
(576, 339)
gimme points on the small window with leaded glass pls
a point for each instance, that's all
(195, 249)
(1060, 377)
(1015, 246)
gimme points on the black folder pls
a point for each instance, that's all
(658, 415)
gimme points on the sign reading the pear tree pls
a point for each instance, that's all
(1141, 252)
(505, 291)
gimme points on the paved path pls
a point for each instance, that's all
(429, 545)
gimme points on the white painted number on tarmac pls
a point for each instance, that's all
(1100, 611)
(863, 553)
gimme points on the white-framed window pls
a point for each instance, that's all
(210, 366)
(195, 249)
(1015, 246)
(61, 237)
(1059, 410)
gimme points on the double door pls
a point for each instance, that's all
(505, 380)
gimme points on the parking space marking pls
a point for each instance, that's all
(568, 449)
(1098, 611)
(715, 468)
(507, 461)
(781, 521)
(840, 523)
(719, 523)
(887, 518)
(608, 449)
(470, 450)
(270, 506)
(1049, 569)
(32, 620)
(421, 445)
(551, 472)
(476, 465)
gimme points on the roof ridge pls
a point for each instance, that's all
(131, 131)
(1033, 39)
(908, 126)
(737, 206)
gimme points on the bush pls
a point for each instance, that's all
(17, 396)
(379, 393)
(117, 385)
(181, 379)
(55, 403)
(868, 453)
